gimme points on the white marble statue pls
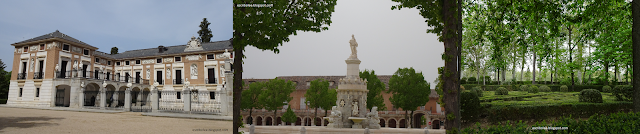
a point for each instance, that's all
(104, 83)
(32, 65)
(354, 109)
(335, 116)
(186, 82)
(148, 74)
(57, 67)
(80, 65)
(226, 54)
(129, 85)
(75, 65)
(82, 84)
(353, 44)
(374, 119)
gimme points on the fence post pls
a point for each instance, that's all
(186, 97)
(154, 99)
(127, 99)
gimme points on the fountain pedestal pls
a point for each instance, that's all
(357, 122)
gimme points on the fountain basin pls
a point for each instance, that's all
(356, 121)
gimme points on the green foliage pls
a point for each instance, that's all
(502, 91)
(317, 92)
(523, 87)
(478, 91)
(623, 92)
(289, 116)
(4, 81)
(471, 79)
(251, 95)
(114, 50)
(277, 94)
(606, 89)
(409, 89)
(597, 123)
(469, 106)
(564, 88)
(542, 111)
(205, 33)
(590, 95)
(375, 87)
(544, 88)
(533, 89)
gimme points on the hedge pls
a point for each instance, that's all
(590, 95)
(564, 88)
(598, 124)
(3, 101)
(543, 111)
(469, 106)
(554, 88)
(606, 89)
(623, 92)
(501, 91)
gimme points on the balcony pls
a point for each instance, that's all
(178, 81)
(210, 81)
(38, 75)
(22, 76)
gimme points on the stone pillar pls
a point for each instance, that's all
(264, 121)
(386, 123)
(252, 129)
(226, 93)
(186, 97)
(127, 99)
(73, 96)
(154, 100)
(103, 97)
(81, 98)
(321, 122)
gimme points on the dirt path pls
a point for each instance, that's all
(35, 121)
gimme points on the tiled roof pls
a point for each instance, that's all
(56, 34)
(302, 80)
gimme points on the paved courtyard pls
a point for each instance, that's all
(19, 120)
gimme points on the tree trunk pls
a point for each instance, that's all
(533, 80)
(522, 66)
(237, 86)
(573, 83)
(315, 115)
(606, 72)
(635, 36)
(273, 120)
(411, 121)
(451, 38)
(251, 112)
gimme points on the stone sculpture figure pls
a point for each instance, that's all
(104, 83)
(57, 67)
(374, 119)
(148, 74)
(168, 72)
(32, 65)
(194, 70)
(353, 44)
(354, 109)
(82, 84)
(335, 116)
(75, 65)
(186, 82)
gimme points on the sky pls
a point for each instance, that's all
(126, 24)
(387, 40)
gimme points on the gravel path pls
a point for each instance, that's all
(35, 121)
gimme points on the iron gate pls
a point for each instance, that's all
(141, 101)
(169, 101)
(60, 97)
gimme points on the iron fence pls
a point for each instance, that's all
(37, 75)
(22, 76)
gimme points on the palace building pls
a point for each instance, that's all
(391, 118)
(57, 70)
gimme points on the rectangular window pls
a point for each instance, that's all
(302, 103)
(210, 57)
(20, 94)
(178, 59)
(108, 62)
(41, 46)
(97, 60)
(137, 62)
(65, 47)
(178, 95)
(86, 52)
(25, 49)
(212, 95)
(126, 63)
(37, 92)
(159, 60)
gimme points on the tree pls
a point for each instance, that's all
(636, 53)
(5, 78)
(445, 18)
(276, 95)
(268, 28)
(289, 116)
(409, 90)
(205, 33)
(331, 99)
(114, 50)
(316, 94)
(251, 97)
(375, 87)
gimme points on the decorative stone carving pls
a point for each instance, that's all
(342, 103)
(82, 84)
(354, 109)
(57, 67)
(224, 55)
(148, 74)
(335, 117)
(194, 71)
(374, 119)
(104, 83)
(33, 48)
(148, 61)
(129, 85)
(168, 72)
(353, 44)
(32, 67)
(194, 57)
(168, 59)
(76, 49)
(51, 45)
(18, 50)
(193, 45)
(75, 64)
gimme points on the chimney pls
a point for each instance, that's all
(161, 49)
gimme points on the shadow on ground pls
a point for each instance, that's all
(26, 122)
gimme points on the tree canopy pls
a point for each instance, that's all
(205, 33)
(409, 90)
(375, 87)
(277, 93)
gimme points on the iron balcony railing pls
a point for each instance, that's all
(178, 81)
(37, 75)
(210, 81)
(22, 76)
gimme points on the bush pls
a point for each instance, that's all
(590, 95)
(606, 89)
(533, 89)
(478, 91)
(502, 91)
(545, 88)
(469, 106)
(463, 81)
(565, 81)
(623, 92)
(461, 88)
(471, 79)
(564, 88)
(523, 88)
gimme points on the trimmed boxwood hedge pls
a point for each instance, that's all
(564, 88)
(501, 91)
(533, 89)
(478, 91)
(590, 95)
(606, 89)
(470, 107)
(543, 111)
(623, 92)
(545, 88)
(523, 87)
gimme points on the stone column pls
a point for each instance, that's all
(73, 96)
(127, 99)
(321, 122)
(186, 97)
(386, 123)
(81, 98)
(264, 121)
(103, 97)
(154, 100)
